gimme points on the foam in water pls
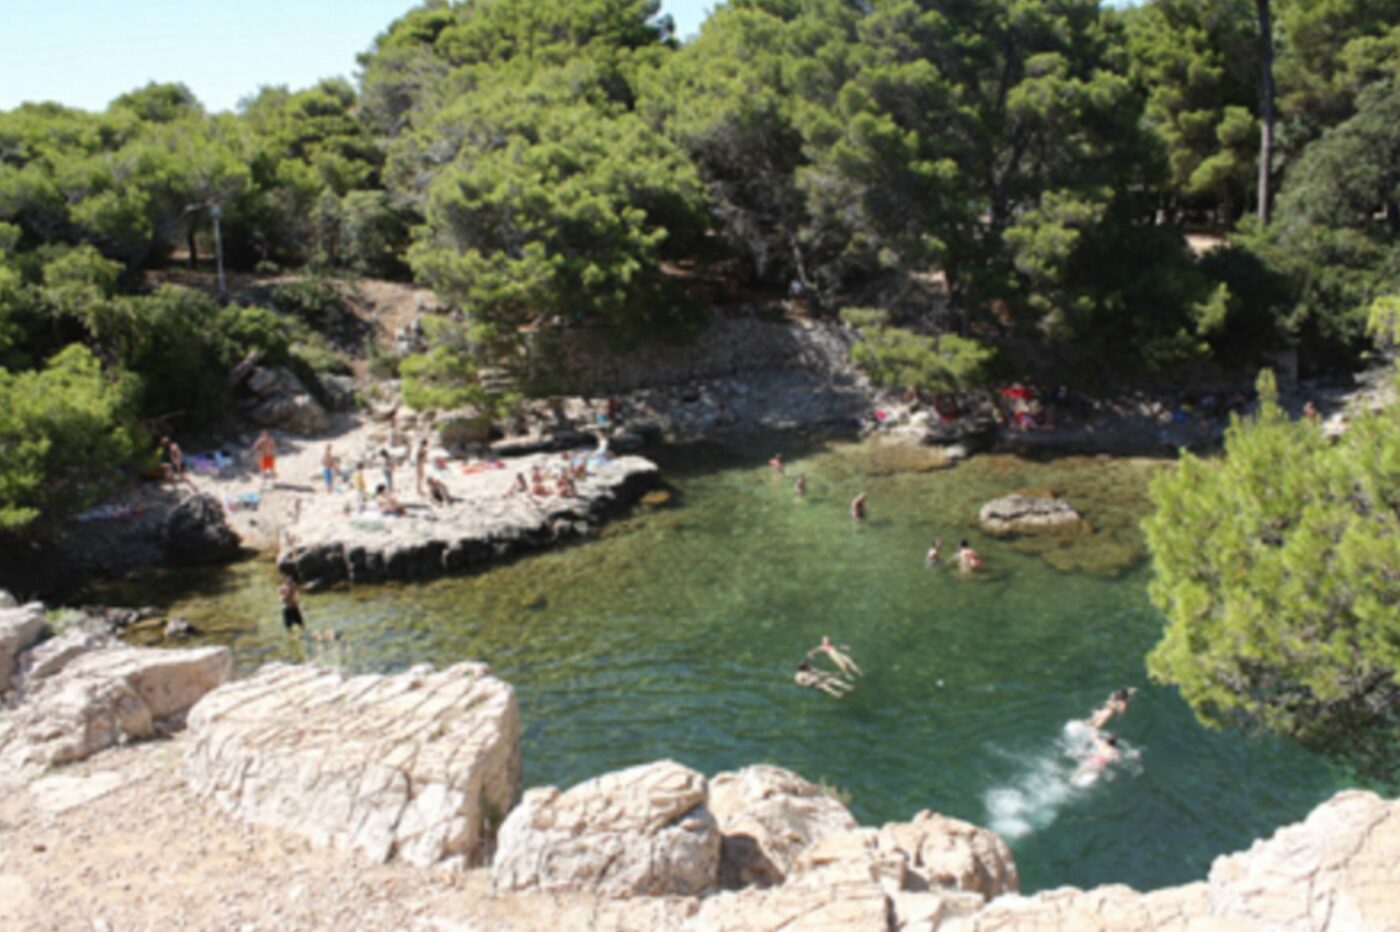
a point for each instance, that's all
(1048, 782)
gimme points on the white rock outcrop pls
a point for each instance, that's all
(768, 817)
(106, 697)
(421, 765)
(644, 831)
(19, 627)
(1336, 870)
(929, 853)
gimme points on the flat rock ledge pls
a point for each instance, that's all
(484, 523)
(420, 766)
(82, 699)
(1024, 514)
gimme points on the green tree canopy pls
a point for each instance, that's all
(1276, 569)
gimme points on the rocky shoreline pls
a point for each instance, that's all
(395, 801)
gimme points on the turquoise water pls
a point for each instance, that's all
(677, 633)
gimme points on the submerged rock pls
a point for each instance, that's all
(644, 831)
(1023, 514)
(421, 765)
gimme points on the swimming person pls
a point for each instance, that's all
(1103, 753)
(968, 560)
(858, 507)
(776, 464)
(809, 677)
(838, 656)
(800, 486)
(935, 553)
(1116, 704)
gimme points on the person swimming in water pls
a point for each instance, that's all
(800, 486)
(968, 560)
(809, 677)
(1103, 753)
(935, 553)
(838, 656)
(858, 507)
(1116, 704)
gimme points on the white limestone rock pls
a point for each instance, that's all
(421, 765)
(768, 817)
(106, 697)
(19, 627)
(1024, 514)
(644, 831)
(930, 852)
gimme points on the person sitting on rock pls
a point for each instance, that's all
(520, 485)
(564, 486)
(838, 656)
(537, 484)
(386, 503)
(437, 492)
(1116, 704)
(809, 677)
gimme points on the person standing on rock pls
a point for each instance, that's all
(328, 468)
(290, 594)
(420, 462)
(266, 449)
(386, 464)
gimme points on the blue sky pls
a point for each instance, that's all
(85, 52)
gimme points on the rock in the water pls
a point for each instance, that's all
(768, 817)
(19, 627)
(1023, 514)
(644, 831)
(421, 765)
(109, 696)
(177, 628)
(197, 532)
(931, 852)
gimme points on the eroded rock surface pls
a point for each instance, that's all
(768, 817)
(1024, 514)
(105, 697)
(196, 533)
(644, 831)
(1334, 871)
(421, 765)
(19, 627)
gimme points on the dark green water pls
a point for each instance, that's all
(676, 635)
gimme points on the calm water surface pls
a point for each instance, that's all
(677, 633)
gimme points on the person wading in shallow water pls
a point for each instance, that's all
(290, 594)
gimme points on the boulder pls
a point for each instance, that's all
(421, 765)
(281, 400)
(19, 627)
(1335, 870)
(1024, 514)
(196, 532)
(644, 831)
(768, 816)
(106, 697)
(51, 656)
(7, 600)
(929, 853)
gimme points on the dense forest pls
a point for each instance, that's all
(981, 186)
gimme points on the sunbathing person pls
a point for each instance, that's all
(838, 656)
(386, 503)
(809, 677)
(520, 485)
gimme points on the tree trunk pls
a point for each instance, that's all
(189, 236)
(1266, 107)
